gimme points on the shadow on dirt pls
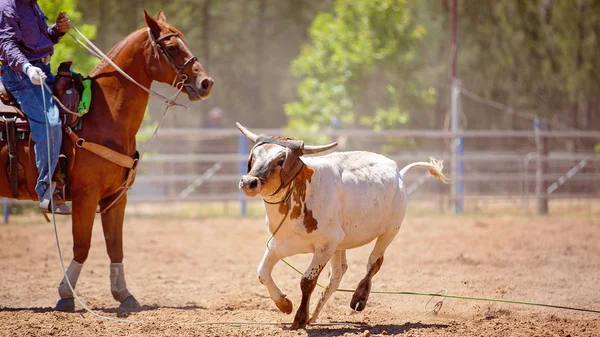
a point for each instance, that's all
(391, 329)
(32, 309)
(114, 310)
(150, 307)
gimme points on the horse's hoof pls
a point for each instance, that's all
(129, 304)
(65, 304)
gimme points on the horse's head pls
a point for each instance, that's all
(172, 62)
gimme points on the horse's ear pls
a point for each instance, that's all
(161, 16)
(151, 22)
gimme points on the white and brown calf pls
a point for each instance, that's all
(339, 201)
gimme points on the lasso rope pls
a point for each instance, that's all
(120, 320)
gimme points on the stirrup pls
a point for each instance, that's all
(61, 209)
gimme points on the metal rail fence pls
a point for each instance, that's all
(204, 165)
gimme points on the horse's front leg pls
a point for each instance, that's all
(112, 224)
(84, 211)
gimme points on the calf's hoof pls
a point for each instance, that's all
(358, 303)
(285, 306)
(65, 304)
(129, 304)
(300, 321)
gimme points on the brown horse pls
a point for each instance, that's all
(153, 53)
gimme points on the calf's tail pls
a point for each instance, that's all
(435, 168)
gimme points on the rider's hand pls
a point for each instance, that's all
(35, 74)
(62, 23)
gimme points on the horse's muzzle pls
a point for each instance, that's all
(201, 88)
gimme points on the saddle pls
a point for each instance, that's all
(14, 126)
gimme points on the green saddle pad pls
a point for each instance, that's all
(86, 97)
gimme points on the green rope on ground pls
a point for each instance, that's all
(478, 299)
(414, 293)
(487, 299)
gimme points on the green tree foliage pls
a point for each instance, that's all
(68, 49)
(380, 63)
(359, 67)
(375, 64)
(540, 57)
(246, 46)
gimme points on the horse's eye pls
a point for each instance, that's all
(280, 162)
(172, 48)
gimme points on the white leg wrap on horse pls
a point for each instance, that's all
(118, 287)
(73, 273)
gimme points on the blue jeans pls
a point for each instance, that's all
(29, 97)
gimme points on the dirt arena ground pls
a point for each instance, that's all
(186, 270)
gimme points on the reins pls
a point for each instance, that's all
(98, 53)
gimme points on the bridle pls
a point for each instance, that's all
(155, 43)
(94, 50)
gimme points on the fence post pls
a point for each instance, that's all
(5, 209)
(242, 148)
(541, 143)
(459, 175)
(457, 149)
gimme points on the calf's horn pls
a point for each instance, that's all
(306, 149)
(310, 149)
(251, 135)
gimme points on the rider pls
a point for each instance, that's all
(26, 45)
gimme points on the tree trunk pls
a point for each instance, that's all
(206, 33)
(258, 77)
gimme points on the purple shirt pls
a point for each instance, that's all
(24, 34)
